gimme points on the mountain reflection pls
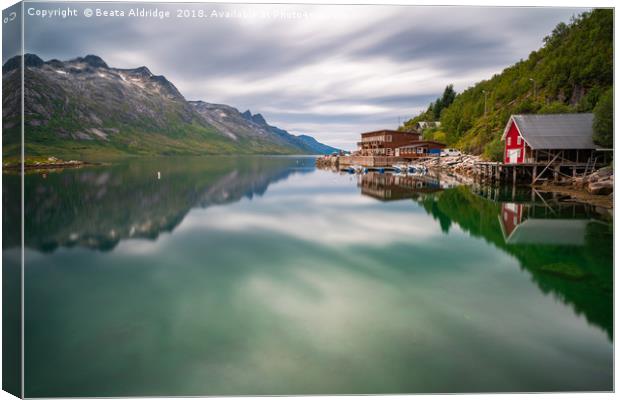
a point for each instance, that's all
(98, 207)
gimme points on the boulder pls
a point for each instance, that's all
(601, 188)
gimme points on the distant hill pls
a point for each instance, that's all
(82, 108)
(570, 73)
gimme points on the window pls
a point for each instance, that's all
(518, 139)
(389, 138)
(508, 142)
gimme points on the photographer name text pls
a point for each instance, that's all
(157, 13)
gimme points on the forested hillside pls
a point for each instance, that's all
(572, 72)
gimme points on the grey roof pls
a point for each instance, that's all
(556, 131)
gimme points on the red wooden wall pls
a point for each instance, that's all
(514, 141)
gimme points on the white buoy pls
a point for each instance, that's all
(158, 175)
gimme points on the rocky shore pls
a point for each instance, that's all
(462, 165)
(43, 164)
(596, 188)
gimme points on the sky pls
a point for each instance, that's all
(331, 72)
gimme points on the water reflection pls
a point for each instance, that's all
(566, 247)
(99, 207)
(265, 276)
(396, 186)
(543, 224)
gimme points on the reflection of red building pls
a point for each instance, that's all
(521, 224)
(512, 215)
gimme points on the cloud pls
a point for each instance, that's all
(332, 73)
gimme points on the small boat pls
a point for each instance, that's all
(348, 169)
(397, 168)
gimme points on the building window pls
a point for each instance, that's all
(508, 142)
(518, 139)
(389, 138)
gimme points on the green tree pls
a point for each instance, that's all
(437, 107)
(556, 107)
(604, 120)
(448, 96)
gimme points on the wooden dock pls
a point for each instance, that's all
(530, 172)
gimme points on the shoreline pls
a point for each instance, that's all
(595, 188)
(49, 165)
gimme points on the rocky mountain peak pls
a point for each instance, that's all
(256, 118)
(95, 61)
(166, 85)
(30, 60)
(90, 61)
(142, 71)
(259, 119)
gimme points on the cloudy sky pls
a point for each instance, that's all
(328, 71)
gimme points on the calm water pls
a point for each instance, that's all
(266, 276)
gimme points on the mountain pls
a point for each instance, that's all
(83, 108)
(571, 72)
(307, 143)
(233, 123)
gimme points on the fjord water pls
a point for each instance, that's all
(263, 275)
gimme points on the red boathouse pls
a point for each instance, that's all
(531, 139)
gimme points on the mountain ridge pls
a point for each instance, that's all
(82, 107)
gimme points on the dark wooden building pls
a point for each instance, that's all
(385, 142)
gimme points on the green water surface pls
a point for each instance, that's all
(259, 275)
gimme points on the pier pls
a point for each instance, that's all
(532, 173)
